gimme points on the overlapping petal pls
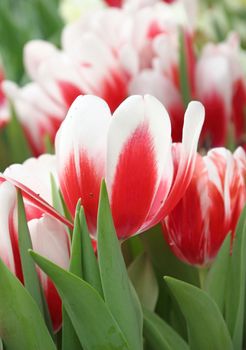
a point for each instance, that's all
(133, 151)
(49, 236)
(209, 209)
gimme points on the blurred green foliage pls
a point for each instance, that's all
(20, 21)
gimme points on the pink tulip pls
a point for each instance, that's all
(196, 228)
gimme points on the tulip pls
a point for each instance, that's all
(209, 210)
(49, 237)
(145, 173)
(59, 76)
(124, 40)
(4, 108)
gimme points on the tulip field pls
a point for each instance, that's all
(122, 175)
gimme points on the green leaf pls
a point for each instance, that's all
(20, 151)
(89, 262)
(116, 287)
(70, 339)
(215, 283)
(206, 326)
(160, 335)
(30, 275)
(48, 145)
(21, 326)
(144, 281)
(94, 324)
(183, 66)
(31, 280)
(56, 197)
(236, 274)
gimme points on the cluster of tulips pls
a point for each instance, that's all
(134, 134)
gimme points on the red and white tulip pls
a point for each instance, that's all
(49, 236)
(209, 210)
(145, 173)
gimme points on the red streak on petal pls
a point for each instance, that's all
(134, 183)
(114, 3)
(15, 247)
(69, 92)
(54, 304)
(84, 185)
(176, 113)
(216, 121)
(114, 90)
(239, 104)
(154, 30)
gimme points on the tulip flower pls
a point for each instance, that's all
(145, 173)
(209, 210)
(124, 41)
(4, 108)
(49, 237)
(58, 78)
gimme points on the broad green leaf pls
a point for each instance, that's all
(215, 283)
(89, 262)
(144, 281)
(183, 67)
(160, 335)
(21, 326)
(115, 283)
(236, 275)
(94, 324)
(166, 263)
(70, 339)
(206, 326)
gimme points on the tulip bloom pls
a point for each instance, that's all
(4, 108)
(49, 237)
(196, 228)
(145, 173)
(124, 41)
(59, 76)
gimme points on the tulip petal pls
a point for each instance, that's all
(139, 142)
(9, 251)
(50, 239)
(81, 151)
(184, 156)
(36, 200)
(35, 52)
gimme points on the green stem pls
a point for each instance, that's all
(202, 272)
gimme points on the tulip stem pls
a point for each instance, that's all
(202, 271)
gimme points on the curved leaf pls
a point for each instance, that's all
(144, 281)
(115, 282)
(21, 326)
(160, 335)
(91, 319)
(236, 280)
(206, 326)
